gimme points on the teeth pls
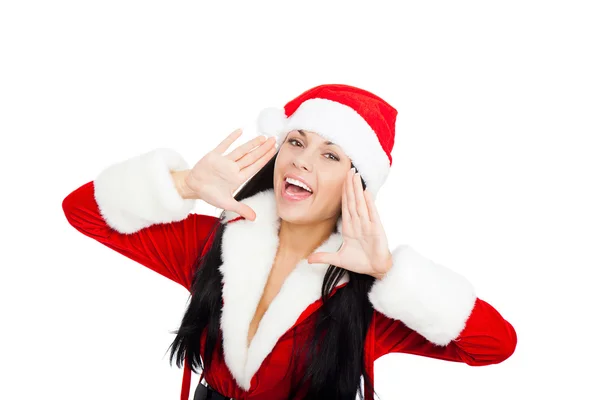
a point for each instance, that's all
(298, 183)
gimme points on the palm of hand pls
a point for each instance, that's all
(365, 248)
(216, 176)
(216, 179)
(364, 253)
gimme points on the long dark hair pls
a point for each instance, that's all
(341, 322)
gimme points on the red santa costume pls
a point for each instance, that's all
(420, 306)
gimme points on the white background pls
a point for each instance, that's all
(495, 171)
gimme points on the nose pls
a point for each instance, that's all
(302, 163)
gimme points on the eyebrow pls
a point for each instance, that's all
(304, 134)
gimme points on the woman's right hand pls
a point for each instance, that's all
(216, 176)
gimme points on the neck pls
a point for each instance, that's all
(298, 241)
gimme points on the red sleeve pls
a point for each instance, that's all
(487, 338)
(171, 249)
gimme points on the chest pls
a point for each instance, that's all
(262, 304)
(277, 276)
(275, 371)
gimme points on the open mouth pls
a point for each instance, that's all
(295, 190)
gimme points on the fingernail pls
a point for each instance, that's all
(353, 170)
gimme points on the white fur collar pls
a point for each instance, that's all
(248, 252)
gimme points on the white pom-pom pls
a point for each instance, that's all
(271, 121)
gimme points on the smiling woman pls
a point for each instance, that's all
(294, 289)
(308, 179)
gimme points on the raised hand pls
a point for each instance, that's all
(365, 248)
(216, 176)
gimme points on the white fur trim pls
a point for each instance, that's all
(271, 121)
(139, 192)
(248, 252)
(427, 297)
(342, 125)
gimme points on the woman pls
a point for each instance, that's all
(294, 290)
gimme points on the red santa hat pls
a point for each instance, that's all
(358, 121)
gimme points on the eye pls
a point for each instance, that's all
(333, 156)
(293, 140)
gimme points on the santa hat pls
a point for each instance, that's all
(358, 121)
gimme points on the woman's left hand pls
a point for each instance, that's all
(365, 249)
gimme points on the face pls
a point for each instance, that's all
(312, 160)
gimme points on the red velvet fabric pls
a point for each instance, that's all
(171, 250)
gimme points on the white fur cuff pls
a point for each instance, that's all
(427, 297)
(140, 191)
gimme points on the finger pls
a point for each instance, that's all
(361, 206)
(324, 258)
(240, 151)
(256, 154)
(256, 166)
(242, 209)
(224, 145)
(354, 219)
(373, 213)
(346, 219)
